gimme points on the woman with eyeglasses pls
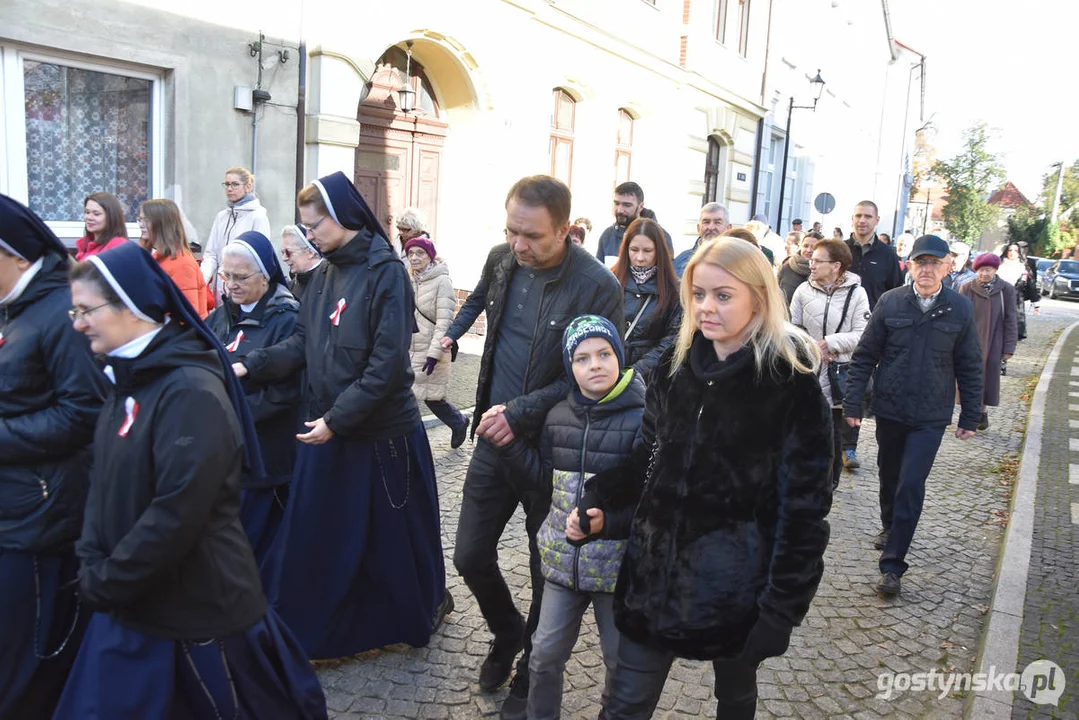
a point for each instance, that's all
(258, 312)
(833, 307)
(162, 234)
(181, 627)
(50, 396)
(243, 212)
(301, 257)
(357, 563)
(1015, 270)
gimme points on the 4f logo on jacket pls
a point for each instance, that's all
(231, 347)
(335, 316)
(131, 409)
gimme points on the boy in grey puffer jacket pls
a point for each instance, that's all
(591, 431)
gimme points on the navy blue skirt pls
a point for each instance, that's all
(258, 674)
(357, 563)
(41, 627)
(261, 511)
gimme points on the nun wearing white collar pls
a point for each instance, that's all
(181, 627)
(259, 311)
(50, 396)
(357, 563)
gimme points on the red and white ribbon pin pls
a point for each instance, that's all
(131, 408)
(231, 347)
(335, 317)
(1, 339)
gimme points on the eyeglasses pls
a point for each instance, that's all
(815, 261)
(229, 279)
(75, 314)
(286, 253)
(927, 263)
(231, 185)
(403, 229)
(314, 226)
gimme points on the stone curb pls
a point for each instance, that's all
(1000, 640)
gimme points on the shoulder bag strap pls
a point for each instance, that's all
(846, 306)
(629, 330)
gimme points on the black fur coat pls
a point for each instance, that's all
(733, 487)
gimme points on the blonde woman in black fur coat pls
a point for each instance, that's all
(731, 473)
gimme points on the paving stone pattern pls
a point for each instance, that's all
(1050, 627)
(849, 638)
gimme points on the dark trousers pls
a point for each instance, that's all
(838, 423)
(905, 455)
(642, 671)
(448, 413)
(849, 437)
(491, 496)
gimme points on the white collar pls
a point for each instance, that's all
(248, 307)
(20, 286)
(133, 349)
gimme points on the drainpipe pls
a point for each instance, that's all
(760, 122)
(301, 121)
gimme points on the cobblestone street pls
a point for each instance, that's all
(850, 637)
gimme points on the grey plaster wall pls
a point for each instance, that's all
(200, 63)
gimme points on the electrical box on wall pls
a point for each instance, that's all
(241, 98)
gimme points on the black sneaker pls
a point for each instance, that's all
(515, 706)
(444, 608)
(498, 665)
(459, 436)
(889, 585)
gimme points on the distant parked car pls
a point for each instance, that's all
(1062, 279)
(1043, 265)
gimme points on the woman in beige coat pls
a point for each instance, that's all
(435, 302)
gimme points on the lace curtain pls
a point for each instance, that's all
(86, 132)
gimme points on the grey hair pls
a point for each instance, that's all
(716, 207)
(412, 219)
(238, 250)
(300, 238)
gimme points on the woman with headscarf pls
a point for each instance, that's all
(302, 258)
(162, 233)
(243, 212)
(1015, 271)
(181, 627)
(259, 311)
(357, 563)
(996, 316)
(50, 397)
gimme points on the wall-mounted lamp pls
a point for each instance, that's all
(406, 94)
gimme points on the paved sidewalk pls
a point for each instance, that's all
(851, 642)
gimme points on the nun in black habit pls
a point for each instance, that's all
(357, 563)
(181, 628)
(50, 396)
(259, 311)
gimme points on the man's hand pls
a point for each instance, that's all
(320, 433)
(964, 434)
(446, 342)
(573, 524)
(495, 427)
(1037, 310)
(854, 422)
(1007, 356)
(429, 365)
(239, 370)
(825, 352)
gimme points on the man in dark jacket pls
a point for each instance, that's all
(876, 264)
(925, 341)
(628, 206)
(532, 285)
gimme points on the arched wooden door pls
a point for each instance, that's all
(399, 158)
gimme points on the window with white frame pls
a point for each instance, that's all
(72, 128)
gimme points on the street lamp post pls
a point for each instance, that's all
(818, 83)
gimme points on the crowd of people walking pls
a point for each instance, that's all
(212, 475)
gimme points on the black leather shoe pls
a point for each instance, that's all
(498, 665)
(444, 608)
(881, 539)
(459, 436)
(515, 706)
(889, 585)
(983, 424)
